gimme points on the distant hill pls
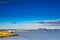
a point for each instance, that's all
(24, 30)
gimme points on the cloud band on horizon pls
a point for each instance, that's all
(48, 24)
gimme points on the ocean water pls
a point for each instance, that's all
(40, 35)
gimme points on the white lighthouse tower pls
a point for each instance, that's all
(9, 30)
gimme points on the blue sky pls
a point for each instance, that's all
(29, 10)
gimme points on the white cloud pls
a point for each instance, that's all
(43, 21)
(31, 25)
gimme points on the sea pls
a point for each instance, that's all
(39, 35)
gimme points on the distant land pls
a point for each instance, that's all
(24, 30)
